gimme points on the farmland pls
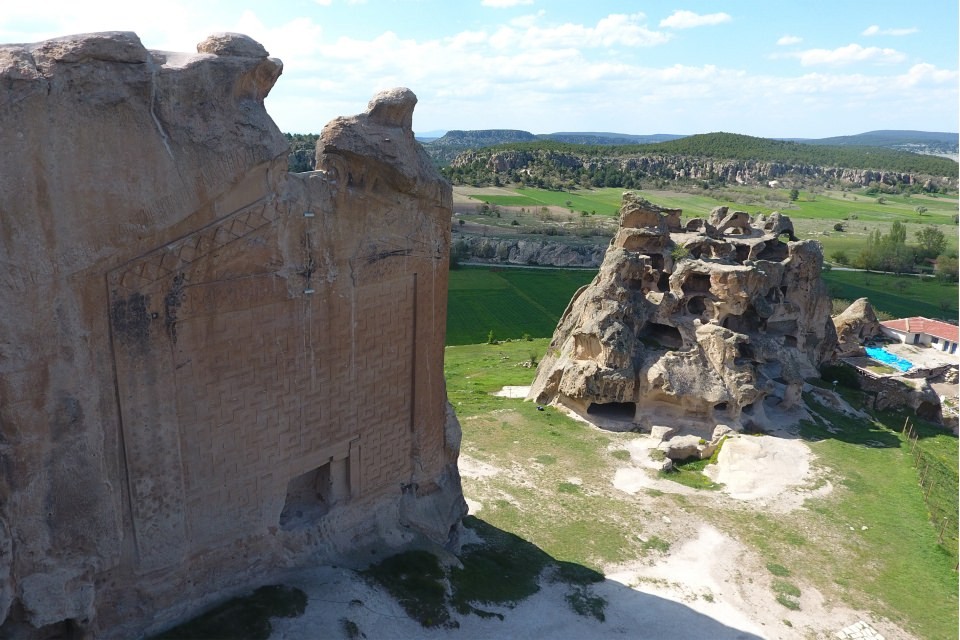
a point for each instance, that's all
(516, 301)
(508, 302)
(814, 213)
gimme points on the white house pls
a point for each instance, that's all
(935, 334)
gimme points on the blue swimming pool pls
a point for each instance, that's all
(882, 355)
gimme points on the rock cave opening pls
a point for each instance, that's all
(745, 353)
(774, 251)
(656, 261)
(310, 495)
(623, 411)
(696, 283)
(790, 341)
(750, 322)
(696, 305)
(664, 283)
(783, 327)
(662, 334)
(743, 253)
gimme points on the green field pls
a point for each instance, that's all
(509, 302)
(516, 301)
(899, 296)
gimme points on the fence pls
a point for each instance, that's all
(939, 484)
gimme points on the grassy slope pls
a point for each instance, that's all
(894, 567)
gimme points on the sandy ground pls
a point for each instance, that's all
(709, 586)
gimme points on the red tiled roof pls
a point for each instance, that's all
(942, 330)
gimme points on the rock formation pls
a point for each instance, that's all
(211, 370)
(855, 325)
(526, 252)
(691, 326)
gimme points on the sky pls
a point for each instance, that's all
(807, 69)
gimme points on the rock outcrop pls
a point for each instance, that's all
(691, 326)
(857, 324)
(211, 370)
(526, 252)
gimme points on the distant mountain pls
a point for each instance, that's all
(608, 138)
(940, 143)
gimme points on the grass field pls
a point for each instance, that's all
(900, 296)
(869, 544)
(813, 214)
(509, 302)
(513, 302)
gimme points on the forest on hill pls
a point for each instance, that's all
(714, 159)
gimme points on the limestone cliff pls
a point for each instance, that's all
(695, 326)
(210, 369)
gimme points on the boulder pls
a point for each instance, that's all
(856, 325)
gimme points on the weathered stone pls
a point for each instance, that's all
(689, 329)
(684, 447)
(855, 325)
(232, 44)
(211, 370)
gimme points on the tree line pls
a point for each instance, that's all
(891, 252)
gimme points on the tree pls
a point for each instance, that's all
(931, 242)
(946, 268)
(920, 210)
(794, 194)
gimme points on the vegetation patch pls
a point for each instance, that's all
(502, 570)
(244, 618)
(416, 580)
(621, 454)
(689, 472)
(655, 543)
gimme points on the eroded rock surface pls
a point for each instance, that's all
(857, 324)
(210, 369)
(691, 326)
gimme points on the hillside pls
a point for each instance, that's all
(926, 142)
(715, 158)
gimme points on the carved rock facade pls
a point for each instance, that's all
(211, 370)
(691, 326)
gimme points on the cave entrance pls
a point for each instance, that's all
(663, 334)
(696, 305)
(696, 283)
(311, 495)
(623, 411)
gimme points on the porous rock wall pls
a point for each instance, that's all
(211, 370)
(691, 326)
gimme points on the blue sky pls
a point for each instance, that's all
(774, 69)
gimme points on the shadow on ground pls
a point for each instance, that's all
(506, 588)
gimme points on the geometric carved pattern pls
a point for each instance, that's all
(256, 388)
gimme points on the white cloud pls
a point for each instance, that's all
(927, 75)
(875, 30)
(788, 40)
(850, 54)
(681, 19)
(613, 30)
(500, 4)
